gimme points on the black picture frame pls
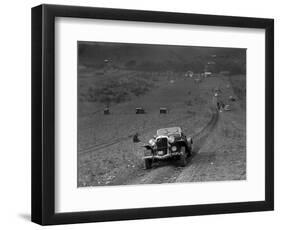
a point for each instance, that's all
(43, 114)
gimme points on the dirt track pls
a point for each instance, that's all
(210, 161)
(167, 172)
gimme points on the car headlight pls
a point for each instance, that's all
(189, 140)
(171, 139)
(174, 148)
(151, 142)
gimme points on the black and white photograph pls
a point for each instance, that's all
(140, 114)
(154, 114)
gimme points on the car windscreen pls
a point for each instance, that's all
(167, 131)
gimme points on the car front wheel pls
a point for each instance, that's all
(183, 156)
(189, 152)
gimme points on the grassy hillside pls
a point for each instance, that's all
(125, 76)
(147, 57)
(112, 73)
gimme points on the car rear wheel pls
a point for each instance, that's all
(147, 163)
(183, 156)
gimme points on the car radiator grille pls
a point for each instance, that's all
(162, 144)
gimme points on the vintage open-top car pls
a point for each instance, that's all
(169, 143)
